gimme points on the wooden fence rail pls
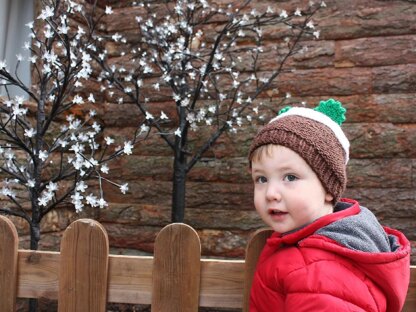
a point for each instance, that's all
(84, 277)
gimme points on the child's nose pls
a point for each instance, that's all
(273, 192)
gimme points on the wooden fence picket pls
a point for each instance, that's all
(253, 250)
(8, 264)
(83, 267)
(176, 270)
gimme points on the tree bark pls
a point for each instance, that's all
(178, 193)
(34, 235)
(34, 245)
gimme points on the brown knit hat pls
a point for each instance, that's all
(316, 135)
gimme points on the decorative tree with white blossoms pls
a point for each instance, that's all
(207, 55)
(48, 144)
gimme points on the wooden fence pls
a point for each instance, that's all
(84, 277)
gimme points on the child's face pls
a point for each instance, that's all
(287, 192)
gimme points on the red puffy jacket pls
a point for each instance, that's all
(345, 261)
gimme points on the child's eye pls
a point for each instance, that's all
(290, 178)
(261, 179)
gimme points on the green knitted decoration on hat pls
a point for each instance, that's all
(284, 110)
(333, 109)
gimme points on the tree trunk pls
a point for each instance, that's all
(34, 235)
(34, 245)
(179, 186)
(33, 305)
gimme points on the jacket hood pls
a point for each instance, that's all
(381, 252)
(361, 232)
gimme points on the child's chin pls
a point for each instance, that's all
(281, 228)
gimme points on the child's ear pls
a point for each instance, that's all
(328, 198)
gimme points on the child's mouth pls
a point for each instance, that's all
(275, 212)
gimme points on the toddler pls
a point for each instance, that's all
(327, 253)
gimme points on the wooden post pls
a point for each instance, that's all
(8, 265)
(176, 270)
(83, 268)
(253, 250)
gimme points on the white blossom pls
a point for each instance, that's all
(63, 29)
(91, 98)
(80, 32)
(185, 102)
(144, 128)
(163, 115)
(30, 183)
(78, 99)
(108, 10)
(96, 127)
(77, 201)
(62, 143)
(147, 69)
(176, 97)
(3, 64)
(116, 37)
(310, 25)
(109, 140)
(43, 201)
(46, 13)
(127, 149)
(30, 132)
(92, 200)
(78, 206)
(43, 155)
(81, 186)
(178, 132)
(46, 69)
(76, 148)
(48, 33)
(124, 188)
(102, 203)
(77, 197)
(52, 187)
(104, 168)
(149, 116)
(8, 192)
